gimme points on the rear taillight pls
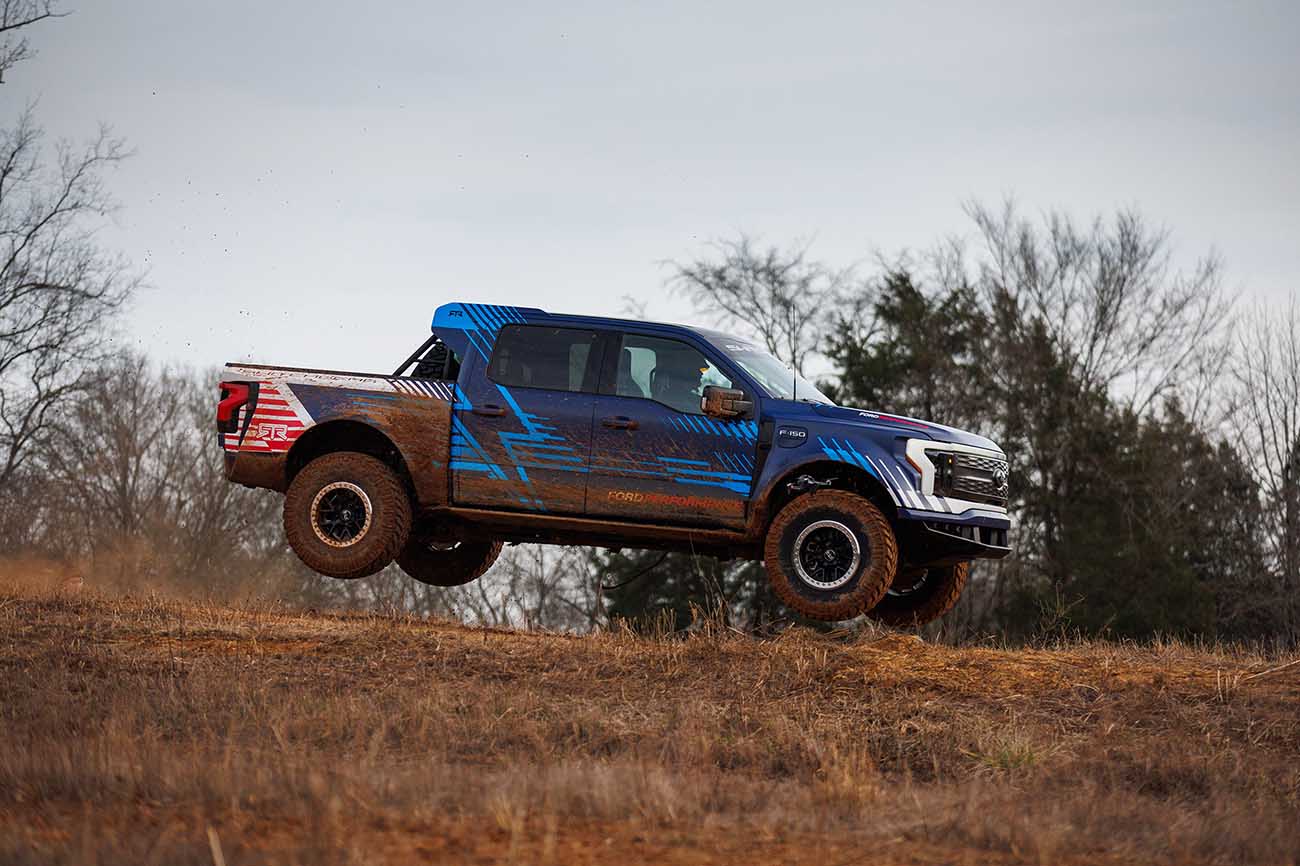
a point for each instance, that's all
(233, 395)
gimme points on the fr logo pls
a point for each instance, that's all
(1000, 480)
(269, 432)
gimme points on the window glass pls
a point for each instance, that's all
(528, 356)
(668, 371)
(773, 376)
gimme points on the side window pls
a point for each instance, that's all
(531, 356)
(669, 371)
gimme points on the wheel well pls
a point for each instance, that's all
(842, 476)
(344, 436)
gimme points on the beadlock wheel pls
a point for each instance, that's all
(830, 554)
(826, 554)
(341, 514)
(347, 514)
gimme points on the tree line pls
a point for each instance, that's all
(1152, 425)
(1152, 422)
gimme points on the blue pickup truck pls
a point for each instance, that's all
(511, 424)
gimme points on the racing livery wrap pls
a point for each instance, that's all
(517, 424)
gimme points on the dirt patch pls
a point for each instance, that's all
(150, 731)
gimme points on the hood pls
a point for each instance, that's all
(914, 426)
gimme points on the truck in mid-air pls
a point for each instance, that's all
(512, 424)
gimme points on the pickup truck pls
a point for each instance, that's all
(512, 424)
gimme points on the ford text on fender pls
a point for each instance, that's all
(516, 425)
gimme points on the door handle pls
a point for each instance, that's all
(489, 410)
(618, 422)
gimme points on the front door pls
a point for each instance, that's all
(655, 455)
(521, 431)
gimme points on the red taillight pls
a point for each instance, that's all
(233, 395)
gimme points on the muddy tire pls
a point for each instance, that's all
(347, 515)
(446, 564)
(830, 555)
(921, 595)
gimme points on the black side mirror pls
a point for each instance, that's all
(720, 402)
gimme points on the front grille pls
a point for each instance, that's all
(983, 464)
(970, 476)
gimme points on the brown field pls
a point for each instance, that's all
(153, 731)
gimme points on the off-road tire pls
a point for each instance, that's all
(388, 512)
(862, 586)
(939, 590)
(455, 566)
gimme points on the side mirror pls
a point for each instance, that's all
(720, 402)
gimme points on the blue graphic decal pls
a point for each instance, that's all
(467, 454)
(474, 326)
(846, 453)
(746, 431)
(684, 472)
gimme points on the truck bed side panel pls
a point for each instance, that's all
(284, 405)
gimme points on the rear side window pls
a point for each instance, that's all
(531, 356)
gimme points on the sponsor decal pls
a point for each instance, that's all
(277, 420)
(880, 416)
(269, 432)
(672, 500)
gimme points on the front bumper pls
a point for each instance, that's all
(927, 539)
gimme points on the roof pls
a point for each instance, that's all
(474, 326)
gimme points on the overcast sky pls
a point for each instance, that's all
(312, 179)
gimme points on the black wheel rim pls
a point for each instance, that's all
(341, 514)
(826, 554)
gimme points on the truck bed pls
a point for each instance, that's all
(291, 413)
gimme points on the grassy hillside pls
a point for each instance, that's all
(152, 731)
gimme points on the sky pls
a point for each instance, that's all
(310, 180)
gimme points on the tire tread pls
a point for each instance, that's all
(874, 582)
(387, 487)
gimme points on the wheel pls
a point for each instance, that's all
(921, 595)
(346, 515)
(830, 555)
(446, 562)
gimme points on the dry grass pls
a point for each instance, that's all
(150, 731)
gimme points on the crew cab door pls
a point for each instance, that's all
(521, 431)
(655, 455)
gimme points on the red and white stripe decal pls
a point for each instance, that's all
(278, 420)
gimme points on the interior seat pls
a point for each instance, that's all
(627, 386)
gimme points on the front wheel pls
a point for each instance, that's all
(445, 562)
(346, 514)
(830, 555)
(921, 595)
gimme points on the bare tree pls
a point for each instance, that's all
(1081, 317)
(132, 485)
(59, 291)
(1107, 298)
(781, 295)
(1266, 422)
(15, 15)
(536, 586)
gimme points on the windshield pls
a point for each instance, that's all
(772, 375)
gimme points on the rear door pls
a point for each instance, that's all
(521, 432)
(655, 455)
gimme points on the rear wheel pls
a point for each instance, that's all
(830, 555)
(346, 514)
(921, 595)
(440, 561)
